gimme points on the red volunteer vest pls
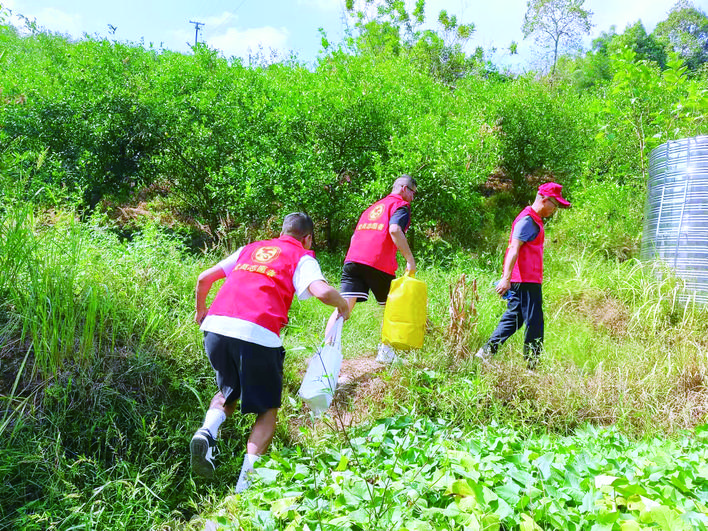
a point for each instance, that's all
(371, 242)
(260, 287)
(529, 265)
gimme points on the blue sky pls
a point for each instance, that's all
(237, 26)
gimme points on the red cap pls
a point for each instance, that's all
(553, 190)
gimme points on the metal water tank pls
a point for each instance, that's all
(676, 212)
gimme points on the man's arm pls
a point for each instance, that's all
(330, 296)
(512, 255)
(204, 283)
(399, 239)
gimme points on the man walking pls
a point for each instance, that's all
(370, 263)
(522, 276)
(242, 333)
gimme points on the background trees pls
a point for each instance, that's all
(222, 149)
(685, 31)
(557, 25)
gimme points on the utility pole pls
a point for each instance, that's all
(196, 30)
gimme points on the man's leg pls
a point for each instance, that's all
(262, 432)
(217, 413)
(532, 309)
(258, 443)
(202, 447)
(380, 285)
(509, 323)
(262, 387)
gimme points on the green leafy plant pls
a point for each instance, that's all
(417, 474)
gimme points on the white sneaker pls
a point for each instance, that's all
(386, 354)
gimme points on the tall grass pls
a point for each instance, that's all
(75, 290)
(92, 398)
(621, 349)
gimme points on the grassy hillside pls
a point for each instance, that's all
(104, 382)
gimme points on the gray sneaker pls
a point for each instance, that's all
(483, 355)
(386, 355)
(203, 450)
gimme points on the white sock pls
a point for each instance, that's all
(251, 460)
(243, 482)
(212, 421)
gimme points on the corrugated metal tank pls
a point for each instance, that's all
(676, 212)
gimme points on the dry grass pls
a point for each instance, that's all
(644, 395)
(464, 298)
(606, 313)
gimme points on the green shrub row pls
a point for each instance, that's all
(233, 145)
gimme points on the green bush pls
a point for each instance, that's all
(542, 133)
(604, 217)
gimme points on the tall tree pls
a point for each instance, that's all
(685, 32)
(386, 27)
(556, 24)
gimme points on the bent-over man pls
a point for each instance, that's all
(242, 333)
(370, 263)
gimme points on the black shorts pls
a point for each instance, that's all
(246, 371)
(358, 279)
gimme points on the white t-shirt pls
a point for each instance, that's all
(307, 271)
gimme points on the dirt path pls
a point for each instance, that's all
(358, 385)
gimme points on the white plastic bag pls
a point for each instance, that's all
(320, 381)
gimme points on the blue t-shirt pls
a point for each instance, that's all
(526, 229)
(401, 217)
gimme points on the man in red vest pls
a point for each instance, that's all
(242, 333)
(522, 276)
(370, 263)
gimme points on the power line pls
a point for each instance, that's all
(239, 6)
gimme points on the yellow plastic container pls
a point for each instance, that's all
(405, 313)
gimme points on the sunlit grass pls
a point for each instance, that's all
(109, 378)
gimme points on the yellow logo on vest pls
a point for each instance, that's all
(265, 255)
(376, 212)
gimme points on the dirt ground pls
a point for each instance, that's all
(359, 384)
(358, 381)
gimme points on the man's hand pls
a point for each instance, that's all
(401, 243)
(503, 286)
(199, 315)
(512, 254)
(343, 309)
(330, 296)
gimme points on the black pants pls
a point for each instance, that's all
(525, 306)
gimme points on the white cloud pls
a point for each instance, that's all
(241, 42)
(49, 18)
(324, 5)
(215, 21)
(60, 21)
